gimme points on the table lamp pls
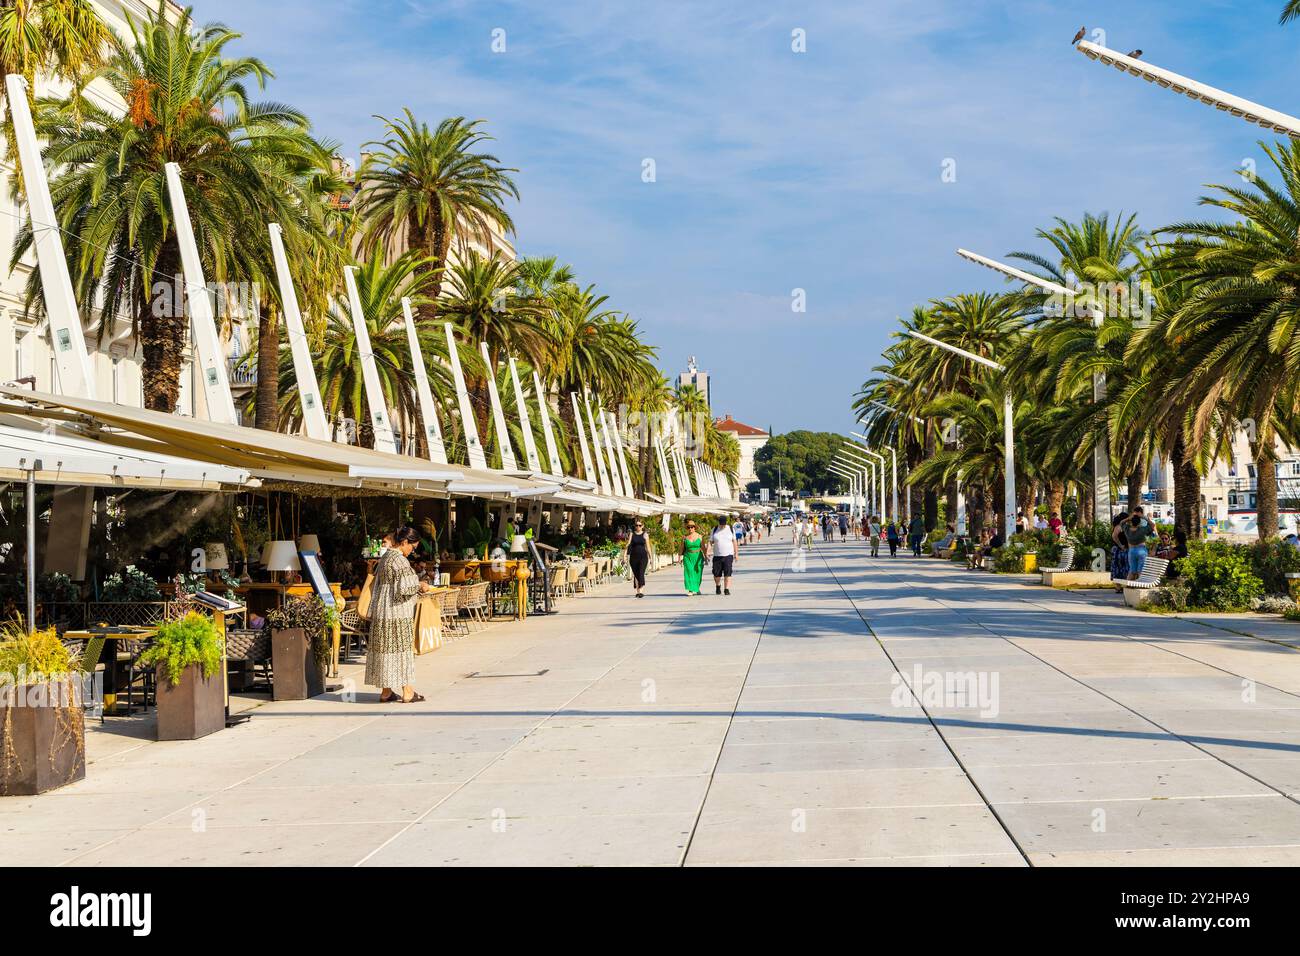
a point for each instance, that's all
(309, 542)
(281, 556)
(519, 544)
(215, 557)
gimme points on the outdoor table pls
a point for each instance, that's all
(111, 633)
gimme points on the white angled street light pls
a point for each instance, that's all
(864, 469)
(867, 450)
(1009, 467)
(848, 476)
(871, 474)
(1220, 99)
(1101, 449)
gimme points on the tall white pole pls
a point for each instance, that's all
(309, 397)
(1009, 468)
(385, 440)
(498, 414)
(424, 394)
(468, 426)
(543, 408)
(212, 364)
(525, 425)
(605, 483)
(588, 470)
(1100, 448)
(76, 377)
(894, 471)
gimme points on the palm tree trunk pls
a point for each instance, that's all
(1055, 497)
(1136, 478)
(1266, 493)
(1187, 490)
(266, 405)
(162, 336)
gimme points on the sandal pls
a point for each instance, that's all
(415, 698)
(389, 699)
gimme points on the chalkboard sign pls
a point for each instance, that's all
(311, 565)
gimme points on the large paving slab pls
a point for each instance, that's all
(837, 710)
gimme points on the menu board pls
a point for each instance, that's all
(311, 565)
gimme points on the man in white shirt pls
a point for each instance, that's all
(722, 545)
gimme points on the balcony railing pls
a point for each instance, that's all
(243, 370)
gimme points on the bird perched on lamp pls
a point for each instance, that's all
(1135, 54)
(1083, 31)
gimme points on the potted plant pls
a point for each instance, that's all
(300, 648)
(188, 655)
(42, 722)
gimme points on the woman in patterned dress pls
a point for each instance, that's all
(390, 649)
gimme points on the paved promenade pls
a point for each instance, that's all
(770, 727)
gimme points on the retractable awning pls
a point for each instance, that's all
(62, 459)
(273, 457)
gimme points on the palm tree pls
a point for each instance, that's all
(1101, 260)
(243, 161)
(381, 288)
(484, 300)
(421, 188)
(62, 38)
(1291, 11)
(1241, 318)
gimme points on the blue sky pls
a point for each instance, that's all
(777, 170)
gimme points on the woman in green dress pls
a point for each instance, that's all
(692, 559)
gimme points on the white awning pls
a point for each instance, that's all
(60, 459)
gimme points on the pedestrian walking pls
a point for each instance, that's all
(722, 545)
(390, 650)
(637, 553)
(693, 549)
(891, 535)
(873, 535)
(844, 526)
(916, 534)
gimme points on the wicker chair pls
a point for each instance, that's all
(478, 602)
(449, 604)
(353, 630)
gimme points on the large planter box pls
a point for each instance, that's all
(41, 747)
(1293, 584)
(1077, 579)
(295, 674)
(193, 708)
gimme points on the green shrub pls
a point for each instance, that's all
(130, 584)
(1169, 597)
(1090, 536)
(35, 655)
(1272, 561)
(1219, 576)
(316, 620)
(192, 639)
(56, 587)
(1010, 559)
(1293, 614)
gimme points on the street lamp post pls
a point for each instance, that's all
(863, 439)
(870, 481)
(1220, 99)
(1101, 448)
(1009, 465)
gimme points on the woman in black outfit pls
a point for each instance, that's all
(638, 556)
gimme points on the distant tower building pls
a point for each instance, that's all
(693, 376)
